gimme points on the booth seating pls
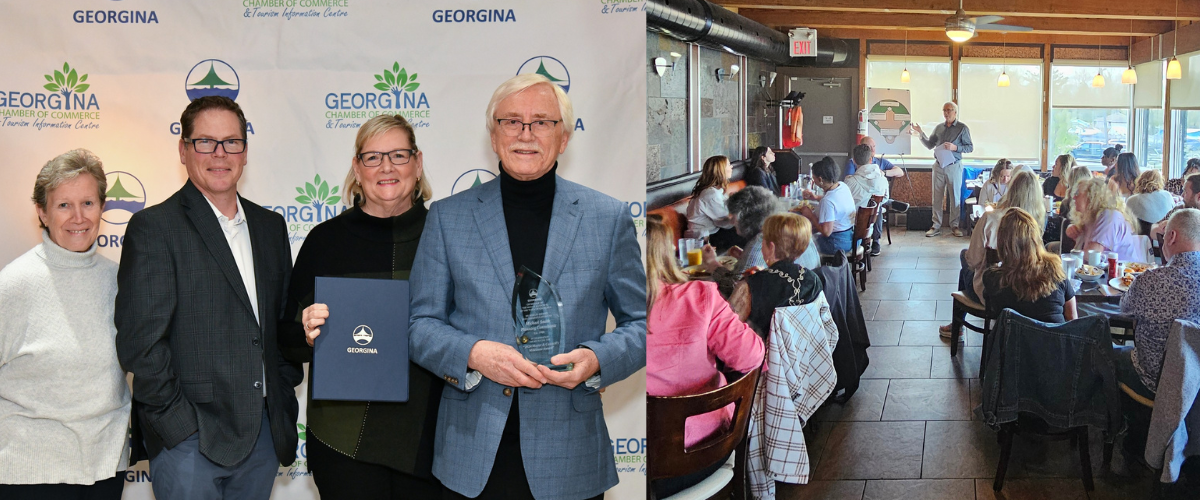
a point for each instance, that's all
(675, 214)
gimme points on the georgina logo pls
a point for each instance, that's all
(363, 335)
(549, 67)
(115, 16)
(211, 77)
(318, 202)
(67, 100)
(295, 9)
(470, 179)
(126, 196)
(474, 16)
(398, 93)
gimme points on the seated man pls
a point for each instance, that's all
(1159, 297)
(889, 171)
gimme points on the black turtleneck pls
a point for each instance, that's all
(527, 209)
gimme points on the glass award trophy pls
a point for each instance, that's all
(538, 318)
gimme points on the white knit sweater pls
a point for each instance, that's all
(64, 401)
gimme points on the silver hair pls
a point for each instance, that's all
(65, 167)
(752, 205)
(518, 84)
(952, 104)
(1186, 222)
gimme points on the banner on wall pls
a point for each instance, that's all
(888, 121)
(113, 77)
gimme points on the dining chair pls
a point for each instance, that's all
(860, 255)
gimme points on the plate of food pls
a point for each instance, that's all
(1089, 273)
(696, 271)
(1122, 283)
(727, 261)
(1137, 268)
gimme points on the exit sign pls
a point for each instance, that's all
(803, 42)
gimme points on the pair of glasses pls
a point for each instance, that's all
(513, 127)
(209, 146)
(375, 158)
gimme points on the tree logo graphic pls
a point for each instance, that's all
(303, 433)
(549, 67)
(396, 80)
(125, 196)
(318, 194)
(470, 179)
(212, 77)
(66, 82)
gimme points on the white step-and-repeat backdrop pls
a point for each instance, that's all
(113, 76)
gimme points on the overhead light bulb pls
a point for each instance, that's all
(1129, 76)
(1003, 81)
(959, 35)
(904, 76)
(1098, 81)
(1174, 70)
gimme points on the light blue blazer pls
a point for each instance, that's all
(462, 284)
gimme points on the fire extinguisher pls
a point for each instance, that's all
(862, 126)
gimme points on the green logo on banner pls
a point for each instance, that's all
(65, 82)
(318, 194)
(397, 80)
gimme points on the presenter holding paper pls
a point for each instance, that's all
(358, 449)
(949, 142)
(509, 425)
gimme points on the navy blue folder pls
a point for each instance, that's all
(362, 352)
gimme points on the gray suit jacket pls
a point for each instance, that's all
(462, 282)
(186, 331)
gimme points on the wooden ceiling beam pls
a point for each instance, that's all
(1102, 9)
(786, 19)
(981, 37)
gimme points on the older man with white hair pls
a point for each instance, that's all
(1159, 297)
(509, 427)
(949, 141)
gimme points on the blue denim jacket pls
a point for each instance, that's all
(1061, 372)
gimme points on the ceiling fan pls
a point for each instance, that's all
(961, 28)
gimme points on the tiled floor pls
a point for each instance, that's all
(910, 432)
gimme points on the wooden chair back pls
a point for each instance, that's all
(864, 221)
(665, 417)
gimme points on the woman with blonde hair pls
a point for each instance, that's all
(706, 212)
(1074, 177)
(997, 184)
(1150, 202)
(1100, 221)
(1056, 185)
(783, 283)
(1029, 279)
(689, 328)
(1024, 193)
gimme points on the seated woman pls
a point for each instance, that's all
(1030, 280)
(1100, 222)
(749, 207)
(833, 222)
(689, 329)
(1175, 186)
(997, 184)
(1124, 175)
(1056, 185)
(1024, 194)
(1150, 202)
(706, 213)
(783, 283)
(1074, 177)
(759, 172)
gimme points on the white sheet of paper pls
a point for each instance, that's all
(943, 156)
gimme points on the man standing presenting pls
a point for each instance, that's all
(507, 427)
(200, 289)
(949, 141)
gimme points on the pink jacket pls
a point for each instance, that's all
(689, 327)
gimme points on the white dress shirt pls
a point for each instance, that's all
(237, 235)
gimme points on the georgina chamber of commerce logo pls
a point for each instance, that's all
(289, 10)
(396, 92)
(629, 454)
(318, 201)
(474, 16)
(555, 71)
(211, 77)
(470, 179)
(66, 104)
(114, 16)
(622, 6)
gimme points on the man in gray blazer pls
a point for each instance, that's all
(201, 286)
(507, 427)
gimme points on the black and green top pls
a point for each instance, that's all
(357, 245)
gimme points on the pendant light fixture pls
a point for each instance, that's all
(1174, 71)
(1129, 77)
(1003, 80)
(904, 76)
(1098, 81)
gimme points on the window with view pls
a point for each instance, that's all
(1006, 122)
(1086, 120)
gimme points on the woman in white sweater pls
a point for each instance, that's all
(64, 402)
(1150, 201)
(706, 212)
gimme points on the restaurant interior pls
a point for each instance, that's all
(907, 378)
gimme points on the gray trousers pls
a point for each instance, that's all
(183, 473)
(947, 186)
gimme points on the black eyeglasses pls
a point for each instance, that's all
(513, 127)
(208, 146)
(375, 158)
